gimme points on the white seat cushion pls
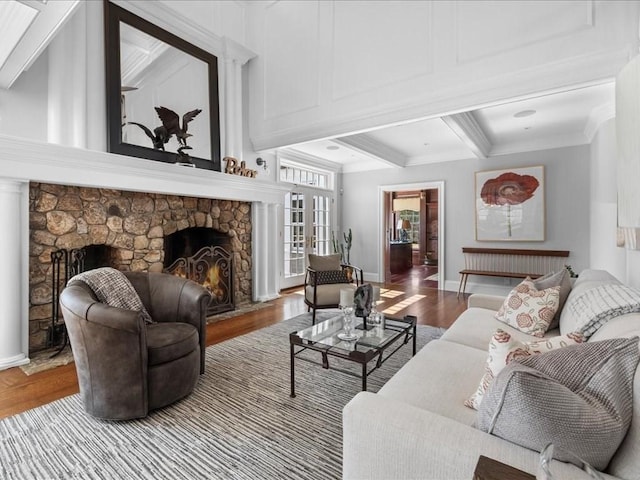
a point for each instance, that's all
(327, 294)
(475, 327)
(440, 377)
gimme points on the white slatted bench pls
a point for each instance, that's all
(509, 263)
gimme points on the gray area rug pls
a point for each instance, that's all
(239, 422)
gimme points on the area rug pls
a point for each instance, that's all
(44, 360)
(239, 422)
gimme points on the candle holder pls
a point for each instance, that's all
(347, 314)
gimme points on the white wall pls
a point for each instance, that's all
(567, 190)
(23, 109)
(605, 254)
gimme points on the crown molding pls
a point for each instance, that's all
(548, 143)
(307, 160)
(236, 51)
(467, 128)
(173, 21)
(379, 151)
(597, 117)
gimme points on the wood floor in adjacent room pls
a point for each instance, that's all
(20, 392)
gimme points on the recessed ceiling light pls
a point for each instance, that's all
(527, 128)
(524, 113)
(333, 147)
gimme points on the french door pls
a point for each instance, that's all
(308, 223)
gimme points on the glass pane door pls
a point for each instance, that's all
(307, 229)
(294, 236)
(321, 242)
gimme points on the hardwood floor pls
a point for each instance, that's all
(20, 392)
(417, 276)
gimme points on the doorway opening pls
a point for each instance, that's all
(412, 234)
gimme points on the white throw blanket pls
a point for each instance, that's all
(112, 287)
(597, 306)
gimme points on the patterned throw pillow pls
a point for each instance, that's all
(503, 349)
(580, 398)
(560, 279)
(528, 309)
(331, 276)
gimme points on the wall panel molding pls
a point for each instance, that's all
(293, 54)
(380, 52)
(518, 26)
(590, 48)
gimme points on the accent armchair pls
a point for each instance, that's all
(324, 279)
(126, 366)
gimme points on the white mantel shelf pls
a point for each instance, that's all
(26, 160)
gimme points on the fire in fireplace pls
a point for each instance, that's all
(203, 255)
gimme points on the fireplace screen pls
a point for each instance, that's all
(210, 267)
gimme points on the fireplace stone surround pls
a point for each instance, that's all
(25, 161)
(134, 225)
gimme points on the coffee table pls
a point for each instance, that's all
(377, 344)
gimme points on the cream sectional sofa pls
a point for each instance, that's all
(417, 426)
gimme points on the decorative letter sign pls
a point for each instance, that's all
(233, 168)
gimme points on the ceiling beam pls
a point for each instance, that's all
(49, 20)
(467, 128)
(366, 145)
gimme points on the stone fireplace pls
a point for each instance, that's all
(130, 231)
(24, 163)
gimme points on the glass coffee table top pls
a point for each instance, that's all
(326, 333)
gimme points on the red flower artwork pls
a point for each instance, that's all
(509, 189)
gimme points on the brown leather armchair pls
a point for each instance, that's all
(125, 366)
(324, 279)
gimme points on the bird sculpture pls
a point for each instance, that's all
(158, 137)
(171, 121)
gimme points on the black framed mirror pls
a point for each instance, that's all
(162, 93)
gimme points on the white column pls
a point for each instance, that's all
(67, 109)
(232, 121)
(266, 249)
(230, 87)
(230, 78)
(274, 258)
(237, 106)
(14, 321)
(96, 104)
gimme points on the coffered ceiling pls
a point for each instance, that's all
(551, 120)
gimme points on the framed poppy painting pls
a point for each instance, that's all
(510, 205)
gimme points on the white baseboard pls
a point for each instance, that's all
(452, 285)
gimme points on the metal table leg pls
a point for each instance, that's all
(293, 377)
(414, 338)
